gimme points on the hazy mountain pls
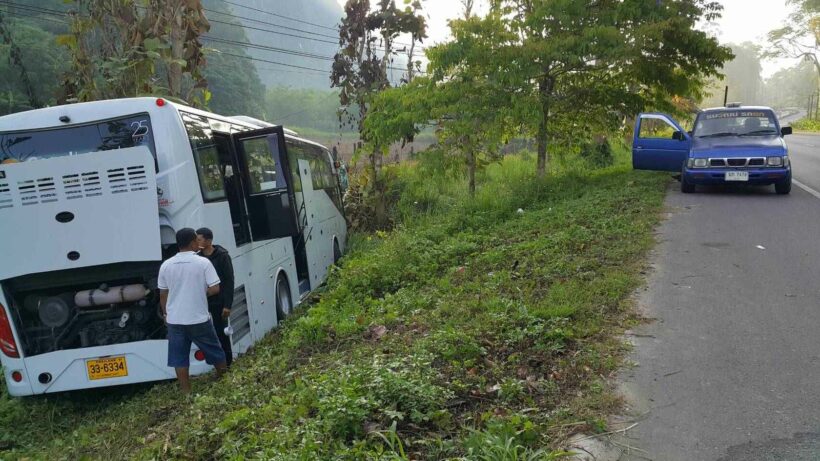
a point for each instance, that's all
(294, 28)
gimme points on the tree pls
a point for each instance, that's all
(468, 109)
(800, 37)
(360, 68)
(43, 62)
(16, 58)
(173, 30)
(792, 87)
(122, 48)
(603, 59)
(742, 75)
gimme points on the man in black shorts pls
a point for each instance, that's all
(221, 303)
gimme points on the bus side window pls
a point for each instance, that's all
(206, 157)
(295, 152)
(322, 174)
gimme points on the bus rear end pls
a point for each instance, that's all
(80, 239)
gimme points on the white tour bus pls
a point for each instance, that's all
(91, 196)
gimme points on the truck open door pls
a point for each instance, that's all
(659, 143)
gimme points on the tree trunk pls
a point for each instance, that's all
(544, 92)
(379, 207)
(176, 36)
(410, 62)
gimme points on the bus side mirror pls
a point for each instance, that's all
(785, 130)
(678, 135)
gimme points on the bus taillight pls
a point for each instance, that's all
(199, 355)
(7, 344)
(16, 376)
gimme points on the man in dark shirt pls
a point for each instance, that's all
(219, 304)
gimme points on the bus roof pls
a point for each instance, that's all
(94, 111)
(261, 123)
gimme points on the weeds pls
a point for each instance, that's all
(471, 331)
(807, 125)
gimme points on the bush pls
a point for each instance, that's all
(807, 125)
(597, 153)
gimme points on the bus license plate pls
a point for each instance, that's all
(109, 367)
(737, 175)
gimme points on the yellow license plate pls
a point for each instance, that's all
(109, 367)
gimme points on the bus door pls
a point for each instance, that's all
(299, 180)
(234, 189)
(269, 200)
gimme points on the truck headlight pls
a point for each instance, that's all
(774, 161)
(700, 163)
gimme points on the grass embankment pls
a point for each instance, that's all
(805, 124)
(471, 331)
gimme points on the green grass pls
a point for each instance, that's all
(472, 331)
(807, 125)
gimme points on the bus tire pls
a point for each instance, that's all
(337, 252)
(284, 301)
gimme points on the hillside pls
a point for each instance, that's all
(471, 331)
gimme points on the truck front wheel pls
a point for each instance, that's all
(783, 187)
(685, 186)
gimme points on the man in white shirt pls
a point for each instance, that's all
(185, 282)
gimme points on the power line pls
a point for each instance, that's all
(282, 50)
(334, 37)
(272, 31)
(280, 16)
(265, 47)
(33, 9)
(335, 29)
(272, 24)
(216, 39)
(273, 62)
(258, 67)
(252, 45)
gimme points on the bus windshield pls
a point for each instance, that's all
(736, 123)
(24, 146)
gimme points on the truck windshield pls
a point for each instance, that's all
(24, 146)
(736, 123)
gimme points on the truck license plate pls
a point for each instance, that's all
(109, 367)
(737, 176)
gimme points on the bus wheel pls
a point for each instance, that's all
(337, 253)
(284, 303)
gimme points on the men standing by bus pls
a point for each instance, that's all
(185, 282)
(219, 304)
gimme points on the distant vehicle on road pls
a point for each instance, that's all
(91, 195)
(728, 145)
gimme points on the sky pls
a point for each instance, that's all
(742, 21)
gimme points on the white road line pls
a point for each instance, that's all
(806, 188)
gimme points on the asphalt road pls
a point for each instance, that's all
(730, 368)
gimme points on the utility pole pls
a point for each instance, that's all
(726, 96)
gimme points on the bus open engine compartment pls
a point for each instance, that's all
(87, 307)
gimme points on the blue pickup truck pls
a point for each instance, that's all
(728, 145)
